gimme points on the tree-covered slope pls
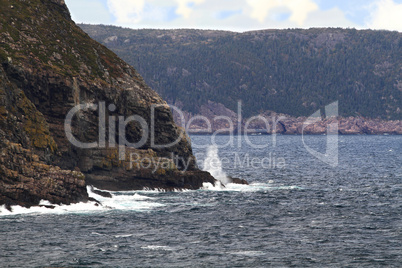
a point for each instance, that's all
(293, 72)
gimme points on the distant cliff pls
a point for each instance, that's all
(293, 72)
(48, 65)
(210, 120)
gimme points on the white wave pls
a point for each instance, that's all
(95, 233)
(125, 201)
(129, 201)
(213, 165)
(113, 248)
(135, 202)
(248, 253)
(158, 248)
(161, 190)
(141, 197)
(210, 187)
(253, 187)
(56, 209)
(123, 236)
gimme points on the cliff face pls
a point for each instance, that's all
(25, 176)
(48, 66)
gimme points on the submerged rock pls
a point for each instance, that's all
(239, 181)
(101, 193)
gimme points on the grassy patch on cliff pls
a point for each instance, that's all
(43, 30)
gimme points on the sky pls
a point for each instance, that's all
(240, 15)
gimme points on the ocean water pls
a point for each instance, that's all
(297, 211)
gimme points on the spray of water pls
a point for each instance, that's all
(213, 165)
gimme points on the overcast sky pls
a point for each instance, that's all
(240, 15)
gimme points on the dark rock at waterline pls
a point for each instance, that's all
(47, 206)
(97, 203)
(101, 193)
(239, 181)
(147, 179)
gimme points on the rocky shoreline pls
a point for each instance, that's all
(270, 122)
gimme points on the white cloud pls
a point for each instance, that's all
(300, 9)
(329, 18)
(387, 15)
(134, 11)
(184, 8)
(126, 11)
(205, 14)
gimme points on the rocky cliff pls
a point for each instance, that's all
(49, 66)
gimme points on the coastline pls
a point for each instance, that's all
(300, 126)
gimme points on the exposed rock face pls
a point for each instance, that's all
(210, 119)
(48, 66)
(279, 123)
(25, 175)
(349, 125)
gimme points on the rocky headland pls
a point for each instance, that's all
(48, 65)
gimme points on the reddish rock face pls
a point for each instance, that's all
(48, 66)
(282, 123)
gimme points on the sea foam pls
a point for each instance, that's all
(213, 165)
(122, 201)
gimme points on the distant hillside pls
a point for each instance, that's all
(294, 72)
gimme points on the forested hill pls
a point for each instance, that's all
(293, 72)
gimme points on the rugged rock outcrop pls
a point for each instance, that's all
(48, 66)
(216, 118)
(239, 181)
(26, 176)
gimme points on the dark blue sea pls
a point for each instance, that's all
(298, 211)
